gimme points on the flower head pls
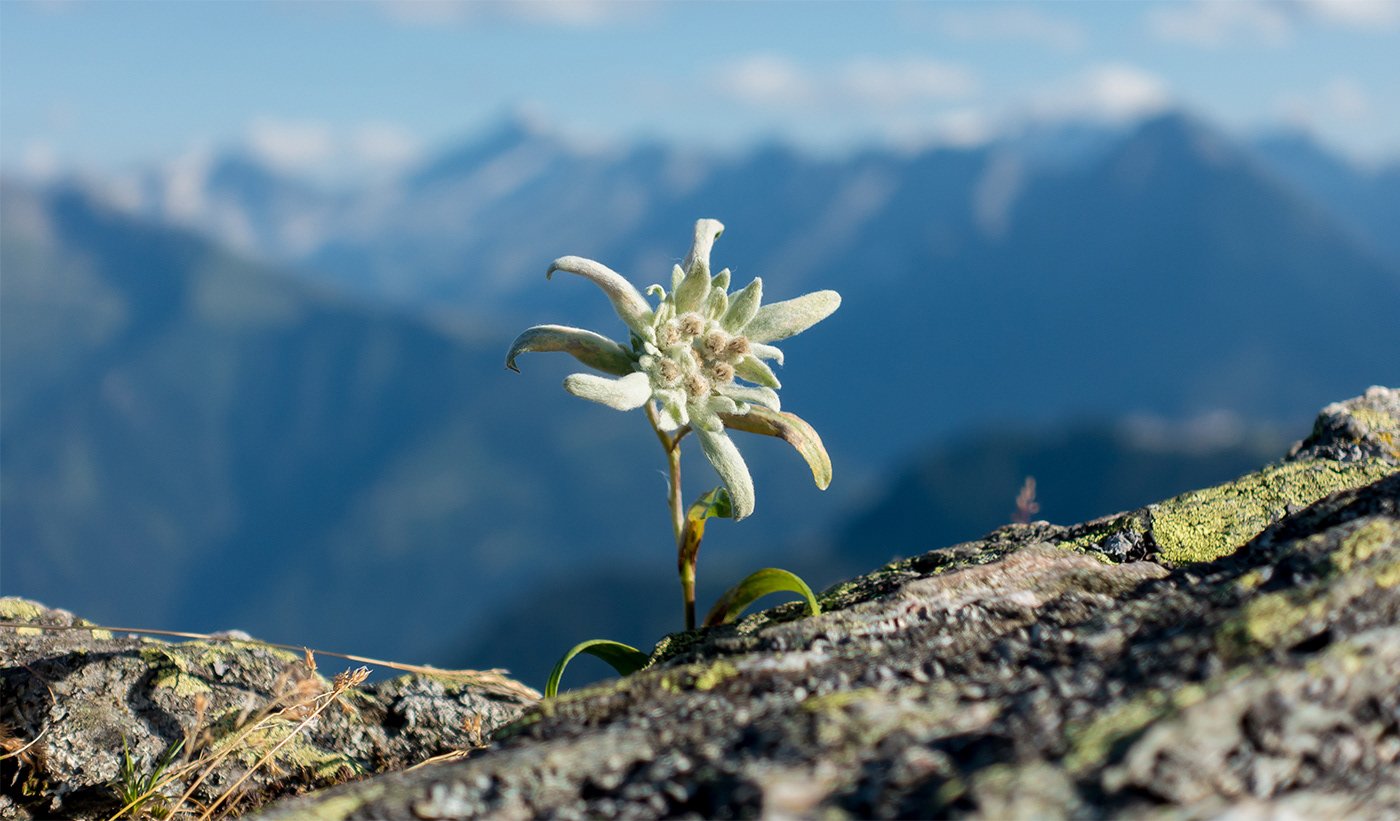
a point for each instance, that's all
(701, 355)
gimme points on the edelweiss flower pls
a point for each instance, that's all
(686, 355)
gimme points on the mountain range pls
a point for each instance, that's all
(232, 399)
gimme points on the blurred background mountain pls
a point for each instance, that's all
(235, 392)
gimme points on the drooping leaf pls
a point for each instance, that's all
(593, 350)
(790, 428)
(729, 464)
(780, 320)
(623, 658)
(626, 300)
(756, 586)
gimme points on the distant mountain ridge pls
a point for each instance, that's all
(177, 418)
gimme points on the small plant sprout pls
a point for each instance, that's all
(697, 362)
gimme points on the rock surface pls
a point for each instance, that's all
(83, 696)
(1232, 648)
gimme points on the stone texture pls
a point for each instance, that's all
(83, 694)
(1233, 649)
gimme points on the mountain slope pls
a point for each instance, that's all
(191, 441)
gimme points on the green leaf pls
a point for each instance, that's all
(791, 429)
(714, 504)
(624, 659)
(756, 586)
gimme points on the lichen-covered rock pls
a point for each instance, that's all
(1233, 648)
(76, 702)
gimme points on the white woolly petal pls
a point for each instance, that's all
(731, 469)
(628, 393)
(626, 300)
(720, 403)
(762, 351)
(743, 306)
(781, 320)
(766, 397)
(706, 232)
(587, 347)
(752, 369)
(702, 417)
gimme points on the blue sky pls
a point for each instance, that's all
(372, 86)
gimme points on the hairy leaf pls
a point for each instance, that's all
(790, 428)
(593, 350)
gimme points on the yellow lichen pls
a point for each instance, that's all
(17, 609)
(1091, 742)
(1364, 542)
(1205, 525)
(697, 677)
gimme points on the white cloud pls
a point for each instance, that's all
(1365, 14)
(766, 80)
(577, 13)
(309, 147)
(1023, 24)
(887, 84)
(1339, 99)
(869, 83)
(384, 145)
(288, 145)
(1113, 92)
(1217, 23)
(39, 161)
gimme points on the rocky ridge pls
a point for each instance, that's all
(1232, 648)
(77, 701)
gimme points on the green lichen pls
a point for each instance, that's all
(1093, 742)
(1365, 559)
(170, 670)
(1085, 538)
(1363, 543)
(1204, 525)
(1376, 421)
(840, 700)
(340, 807)
(17, 609)
(234, 650)
(702, 677)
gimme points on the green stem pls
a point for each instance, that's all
(685, 565)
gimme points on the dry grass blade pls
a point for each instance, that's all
(342, 682)
(493, 680)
